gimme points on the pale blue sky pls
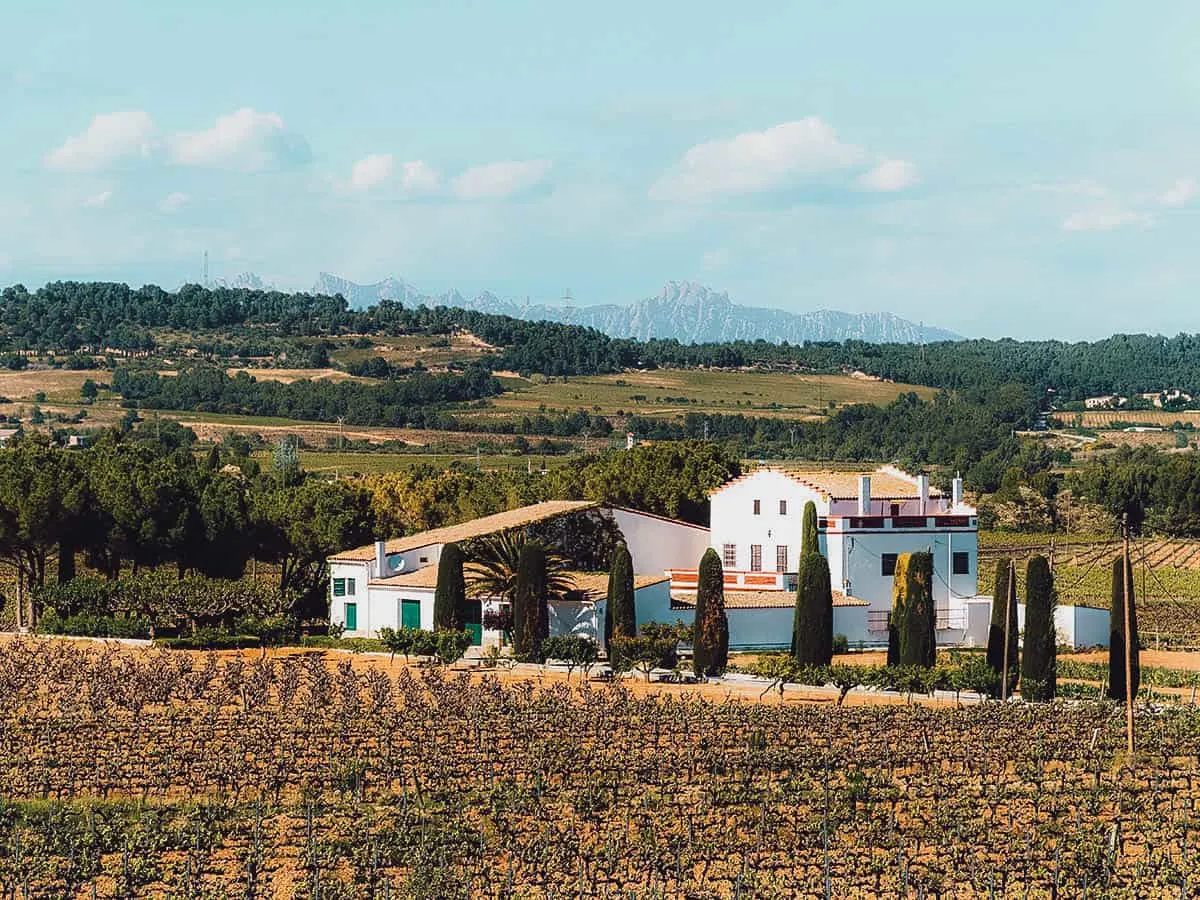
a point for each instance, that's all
(1024, 169)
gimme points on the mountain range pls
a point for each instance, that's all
(684, 310)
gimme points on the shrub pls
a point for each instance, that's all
(451, 645)
(577, 651)
(841, 644)
(644, 653)
(88, 625)
(210, 639)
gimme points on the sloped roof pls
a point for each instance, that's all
(513, 518)
(760, 599)
(594, 585)
(887, 483)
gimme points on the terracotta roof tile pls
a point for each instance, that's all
(760, 599)
(593, 584)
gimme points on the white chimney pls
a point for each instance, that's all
(381, 566)
(923, 491)
(864, 495)
(956, 493)
(629, 440)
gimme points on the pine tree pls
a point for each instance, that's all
(1117, 637)
(450, 595)
(1039, 659)
(620, 612)
(812, 623)
(809, 541)
(995, 645)
(710, 647)
(531, 614)
(912, 607)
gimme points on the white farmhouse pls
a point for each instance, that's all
(391, 584)
(865, 521)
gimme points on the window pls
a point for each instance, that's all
(783, 507)
(729, 556)
(895, 510)
(350, 587)
(756, 557)
(758, 507)
(781, 558)
(962, 563)
(339, 587)
(887, 564)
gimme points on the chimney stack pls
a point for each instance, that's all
(381, 566)
(864, 495)
(956, 492)
(923, 491)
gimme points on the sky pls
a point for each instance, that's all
(1025, 169)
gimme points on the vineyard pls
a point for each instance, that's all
(153, 774)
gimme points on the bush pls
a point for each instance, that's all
(272, 631)
(209, 639)
(451, 645)
(644, 653)
(576, 651)
(355, 645)
(87, 625)
(841, 644)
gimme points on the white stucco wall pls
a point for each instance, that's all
(856, 565)
(657, 544)
(734, 521)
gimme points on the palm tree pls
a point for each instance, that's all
(494, 561)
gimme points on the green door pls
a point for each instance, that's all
(410, 613)
(476, 629)
(351, 616)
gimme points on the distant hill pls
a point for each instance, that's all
(684, 310)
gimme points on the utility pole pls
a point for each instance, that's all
(1009, 600)
(341, 420)
(1126, 574)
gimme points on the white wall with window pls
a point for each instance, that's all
(763, 511)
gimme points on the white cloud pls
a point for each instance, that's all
(419, 178)
(175, 200)
(1180, 193)
(1085, 188)
(1105, 219)
(371, 170)
(758, 160)
(497, 180)
(98, 200)
(890, 175)
(109, 139)
(247, 140)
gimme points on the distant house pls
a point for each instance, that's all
(1106, 401)
(1161, 398)
(76, 441)
(7, 435)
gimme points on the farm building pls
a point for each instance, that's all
(390, 584)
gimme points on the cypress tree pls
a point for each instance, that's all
(1116, 633)
(893, 650)
(812, 624)
(531, 614)
(450, 595)
(710, 646)
(912, 606)
(1039, 660)
(995, 645)
(809, 542)
(620, 612)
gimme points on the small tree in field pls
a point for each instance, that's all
(450, 595)
(531, 613)
(1117, 637)
(577, 651)
(620, 612)
(1039, 661)
(912, 605)
(1002, 603)
(644, 653)
(710, 649)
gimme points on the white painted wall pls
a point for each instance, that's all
(658, 544)
(856, 564)
(734, 521)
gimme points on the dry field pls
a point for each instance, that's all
(1100, 419)
(287, 376)
(145, 773)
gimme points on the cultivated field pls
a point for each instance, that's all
(147, 774)
(672, 392)
(1106, 418)
(407, 351)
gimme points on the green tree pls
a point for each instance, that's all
(1039, 666)
(1001, 604)
(450, 595)
(812, 623)
(213, 461)
(912, 606)
(495, 562)
(620, 612)
(575, 650)
(531, 612)
(224, 544)
(89, 390)
(809, 539)
(710, 648)
(1122, 574)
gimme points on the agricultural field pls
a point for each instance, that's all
(287, 376)
(1101, 419)
(672, 392)
(373, 463)
(402, 350)
(143, 773)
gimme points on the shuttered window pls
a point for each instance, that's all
(756, 557)
(729, 556)
(781, 558)
(339, 587)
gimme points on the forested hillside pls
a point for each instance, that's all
(66, 316)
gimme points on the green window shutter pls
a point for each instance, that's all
(339, 587)
(351, 616)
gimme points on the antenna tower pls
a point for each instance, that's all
(206, 268)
